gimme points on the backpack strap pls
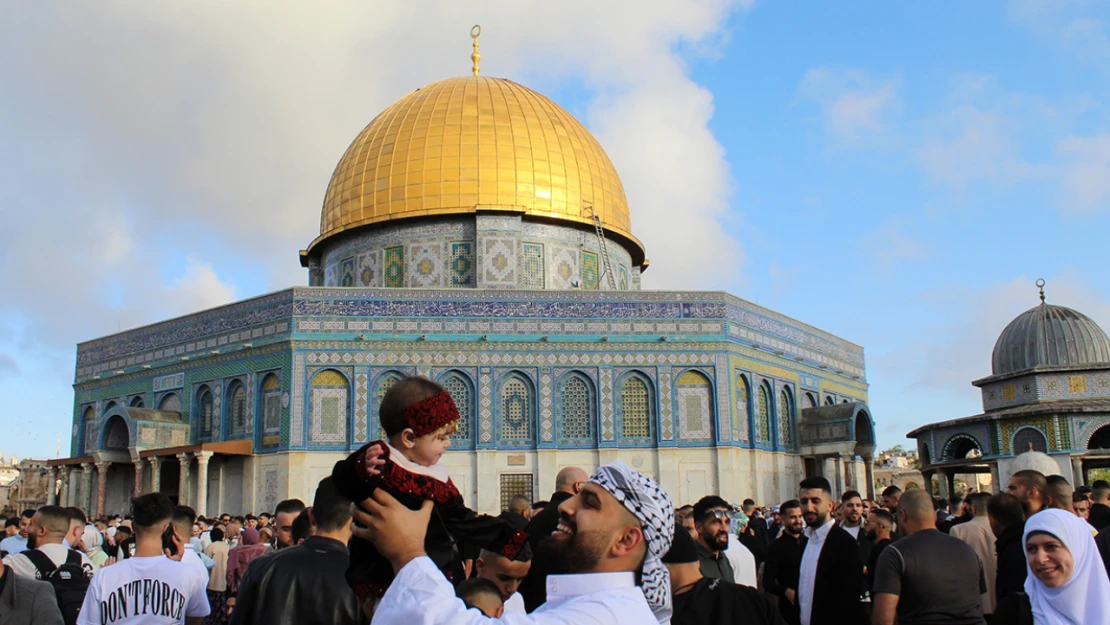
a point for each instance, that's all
(41, 561)
(73, 557)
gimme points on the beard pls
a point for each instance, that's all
(579, 553)
(32, 541)
(717, 542)
(871, 535)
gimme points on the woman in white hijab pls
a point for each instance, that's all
(1066, 583)
(93, 543)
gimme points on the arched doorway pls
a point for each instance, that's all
(962, 446)
(1100, 439)
(116, 434)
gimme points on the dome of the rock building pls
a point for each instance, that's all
(1050, 336)
(474, 144)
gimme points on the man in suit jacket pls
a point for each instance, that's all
(831, 574)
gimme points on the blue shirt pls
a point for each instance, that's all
(14, 544)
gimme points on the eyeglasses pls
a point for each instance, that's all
(720, 515)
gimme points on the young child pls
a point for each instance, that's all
(482, 595)
(418, 417)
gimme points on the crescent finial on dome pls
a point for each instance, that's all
(475, 32)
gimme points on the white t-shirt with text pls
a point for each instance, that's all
(145, 591)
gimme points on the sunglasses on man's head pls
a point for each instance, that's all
(720, 515)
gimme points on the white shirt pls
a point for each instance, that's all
(515, 604)
(23, 567)
(854, 531)
(421, 595)
(144, 591)
(742, 561)
(807, 576)
(193, 559)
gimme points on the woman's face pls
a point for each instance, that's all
(1049, 559)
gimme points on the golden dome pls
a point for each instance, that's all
(470, 144)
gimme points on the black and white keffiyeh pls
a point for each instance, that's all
(650, 504)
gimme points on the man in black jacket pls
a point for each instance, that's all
(1099, 515)
(1007, 521)
(784, 558)
(755, 535)
(305, 583)
(567, 484)
(831, 574)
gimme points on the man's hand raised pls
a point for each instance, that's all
(397, 532)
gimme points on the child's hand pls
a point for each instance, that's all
(372, 459)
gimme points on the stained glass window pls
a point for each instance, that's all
(764, 414)
(575, 403)
(237, 409)
(204, 413)
(516, 410)
(460, 392)
(635, 409)
(740, 415)
(786, 409)
(271, 405)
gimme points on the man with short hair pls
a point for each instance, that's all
(302, 527)
(13, 542)
(18, 543)
(77, 522)
(784, 558)
(1058, 493)
(153, 586)
(252, 521)
(284, 515)
(183, 518)
(1007, 519)
(927, 578)
(264, 521)
(1029, 487)
(978, 535)
(314, 569)
(880, 530)
(1081, 505)
(48, 528)
(520, 508)
(1099, 516)
(506, 565)
(612, 533)
(890, 496)
(754, 535)
(568, 481)
(831, 573)
(712, 515)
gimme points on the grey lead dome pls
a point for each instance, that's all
(1050, 336)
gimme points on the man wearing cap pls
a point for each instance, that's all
(612, 532)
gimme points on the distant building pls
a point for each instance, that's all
(1048, 392)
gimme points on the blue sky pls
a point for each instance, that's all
(897, 175)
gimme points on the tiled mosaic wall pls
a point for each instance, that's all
(1046, 386)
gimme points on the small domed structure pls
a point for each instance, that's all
(1050, 336)
(1034, 460)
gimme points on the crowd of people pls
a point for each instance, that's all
(388, 539)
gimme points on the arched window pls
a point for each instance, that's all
(1029, 439)
(204, 417)
(829, 401)
(271, 405)
(459, 389)
(385, 383)
(763, 415)
(695, 407)
(90, 429)
(576, 409)
(170, 403)
(516, 409)
(236, 409)
(636, 413)
(786, 410)
(330, 408)
(810, 401)
(740, 415)
(136, 402)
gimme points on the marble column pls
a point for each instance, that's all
(52, 493)
(869, 471)
(1078, 474)
(184, 458)
(74, 486)
(838, 473)
(996, 481)
(942, 485)
(101, 487)
(202, 482)
(155, 473)
(86, 503)
(138, 489)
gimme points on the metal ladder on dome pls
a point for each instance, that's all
(604, 248)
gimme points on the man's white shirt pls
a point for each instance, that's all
(516, 604)
(421, 595)
(854, 531)
(807, 576)
(742, 561)
(145, 591)
(23, 567)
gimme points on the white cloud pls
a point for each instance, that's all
(1085, 179)
(890, 244)
(968, 144)
(1067, 24)
(853, 104)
